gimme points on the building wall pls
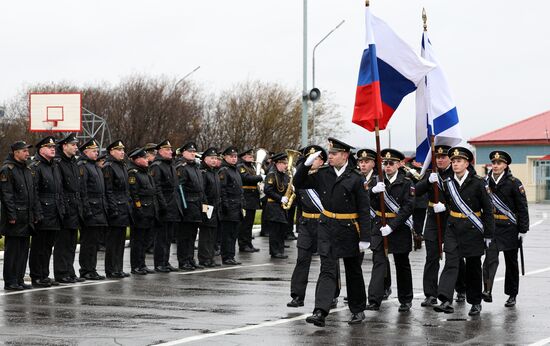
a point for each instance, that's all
(517, 152)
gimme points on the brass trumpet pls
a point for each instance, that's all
(289, 193)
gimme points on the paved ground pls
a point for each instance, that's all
(247, 305)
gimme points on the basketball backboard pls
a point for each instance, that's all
(55, 112)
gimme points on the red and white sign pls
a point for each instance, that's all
(55, 112)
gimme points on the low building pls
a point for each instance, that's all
(528, 143)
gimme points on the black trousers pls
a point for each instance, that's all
(207, 243)
(114, 249)
(139, 238)
(163, 236)
(380, 273)
(229, 238)
(41, 254)
(448, 278)
(328, 283)
(89, 245)
(431, 268)
(245, 229)
(277, 232)
(64, 253)
(300, 275)
(16, 253)
(511, 278)
(460, 286)
(185, 238)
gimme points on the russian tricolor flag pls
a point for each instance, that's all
(389, 70)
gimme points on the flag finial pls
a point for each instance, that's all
(367, 3)
(424, 19)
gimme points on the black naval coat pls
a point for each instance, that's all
(115, 175)
(342, 195)
(461, 233)
(250, 185)
(143, 195)
(19, 199)
(509, 190)
(167, 185)
(192, 185)
(93, 193)
(402, 191)
(212, 191)
(307, 227)
(49, 185)
(276, 184)
(425, 188)
(74, 211)
(231, 193)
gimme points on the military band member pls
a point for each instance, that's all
(398, 193)
(343, 230)
(144, 209)
(251, 199)
(192, 189)
(66, 238)
(511, 225)
(276, 218)
(117, 193)
(95, 224)
(170, 205)
(211, 219)
(232, 204)
(20, 212)
(47, 179)
(150, 152)
(470, 228)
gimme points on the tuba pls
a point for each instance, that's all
(289, 193)
(413, 172)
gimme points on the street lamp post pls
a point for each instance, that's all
(187, 75)
(304, 89)
(313, 72)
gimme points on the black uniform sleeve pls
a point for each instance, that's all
(134, 188)
(522, 211)
(270, 187)
(157, 177)
(111, 201)
(7, 192)
(423, 186)
(37, 207)
(248, 178)
(222, 174)
(486, 210)
(362, 201)
(84, 189)
(302, 178)
(407, 205)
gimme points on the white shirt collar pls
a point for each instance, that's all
(392, 178)
(341, 170)
(460, 181)
(498, 179)
(368, 176)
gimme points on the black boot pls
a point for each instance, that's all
(318, 318)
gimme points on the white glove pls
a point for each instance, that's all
(379, 187)
(488, 242)
(284, 199)
(522, 236)
(311, 158)
(433, 178)
(439, 207)
(363, 245)
(385, 230)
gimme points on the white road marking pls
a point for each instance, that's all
(541, 342)
(221, 269)
(302, 317)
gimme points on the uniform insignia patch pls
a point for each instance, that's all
(242, 170)
(3, 177)
(222, 176)
(81, 171)
(270, 181)
(131, 180)
(522, 190)
(138, 203)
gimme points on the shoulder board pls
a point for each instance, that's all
(132, 171)
(81, 162)
(155, 163)
(357, 172)
(512, 178)
(81, 171)
(478, 177)
(35, 163)
(407, 178)
(108, 164)
(10, 165)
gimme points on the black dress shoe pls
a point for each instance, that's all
(51, 281)
(387, 293)
(318, 318)
(510, 302)
(487, 296)
(77, 279)
(357, 318)
(148, 270)
(171, 268)
(429, 302)
(13, 287)
(160, 269)
(445, 307)
(475, 310)
(41, 283)
(187, 266)
(195, 265)
(334, 303)
(138, 271)
(255, 249)
(66, 280)
(124, 274)
(295, 302)
(115, 276)
(279, 256)
(25, 286)
(373, 307)
(92, 276)
(98, 277)
(230, 262)
(246, 249)
(405, 307)
(461, 297)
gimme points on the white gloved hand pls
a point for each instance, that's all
(311, 158)
(522, 236)
(385, 230)
(379, 187)
(363, 245)
(433, 178)
(439, 207)
(488, 242)
(284, 199)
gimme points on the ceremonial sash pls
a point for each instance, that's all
(394, 207)
(502, 207)
(314, 196)
(464, 208)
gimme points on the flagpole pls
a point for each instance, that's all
(434, 169)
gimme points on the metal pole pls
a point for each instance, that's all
(187, 75)
(304, 88)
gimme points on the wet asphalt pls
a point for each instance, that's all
(246, 305)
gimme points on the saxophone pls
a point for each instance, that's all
(289, 193)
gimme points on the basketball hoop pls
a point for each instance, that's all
(55, 112)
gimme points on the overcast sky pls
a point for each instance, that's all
(496, 54)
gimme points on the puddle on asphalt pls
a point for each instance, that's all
(260, 279)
